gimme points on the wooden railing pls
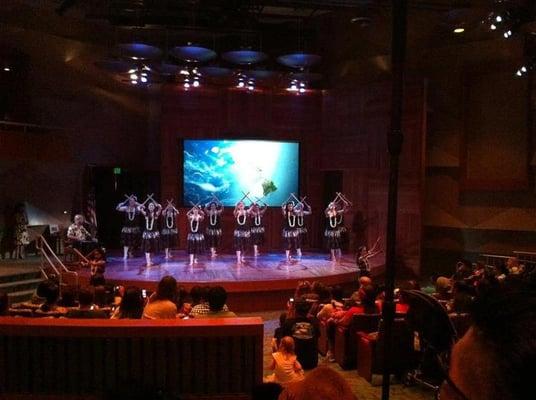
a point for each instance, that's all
(204, 358)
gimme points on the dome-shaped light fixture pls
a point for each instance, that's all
(193, 54)
(299, 60)
(139, 51)
(244, 57)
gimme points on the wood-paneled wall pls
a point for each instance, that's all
(343, 129)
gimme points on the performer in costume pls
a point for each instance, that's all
(242, 232)
(21, 235)
(151, 236)
(214, 209)
(362, 258)
(332, 232)
(169, 232)
(130, 232)
(301, 209)
(196, 238)
(256, 213)
(346, 204)
(290, 230)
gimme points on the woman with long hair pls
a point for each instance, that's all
(131, 306)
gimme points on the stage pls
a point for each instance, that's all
(259, 284)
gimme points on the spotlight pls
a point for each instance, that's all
(131, 71)
(133, 77)
(184, 72)
(492, 27)
(507, 34)
(134, 82)
(459, 30)
(251, 87)
(196, 83)
(519, 73)
(498, 18)
(186, 85)
(523, 69)
(302, 90)
(7, 69)
(241, 84)
(143, 79)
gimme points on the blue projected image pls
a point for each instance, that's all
(226, 168)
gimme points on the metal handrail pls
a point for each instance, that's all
(44, 255)
(42, 244)
(80, 255)
(494, 256)
(26, 125)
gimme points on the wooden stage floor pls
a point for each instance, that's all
(269, 277)
(224, 269)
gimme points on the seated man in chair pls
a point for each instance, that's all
(80, 237)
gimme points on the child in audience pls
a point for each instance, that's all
(278, 333)
(285, 364)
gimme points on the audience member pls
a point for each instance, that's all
(464, 270)
(183, 308)
(161, 304)
(131, 306)
(197, 295)
(514, 267)
(217, 296)
(69, 297)
(285, 364)
(305, 332)
(200, 303)
(494, 360)
(278, 332)
(364, 302)
(462, 298)
(86, 309)
(323, 383)
(50, 291)
(443, 287)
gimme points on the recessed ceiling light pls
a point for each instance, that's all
(459, 30)
(7, 69)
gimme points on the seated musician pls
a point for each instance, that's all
(80, 237)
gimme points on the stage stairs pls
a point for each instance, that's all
(19, 282)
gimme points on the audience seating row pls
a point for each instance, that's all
(209, 358)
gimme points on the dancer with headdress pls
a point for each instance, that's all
(256, 214)
(242, 231)
(332, 233)
(150, 239)
(196, 238)
(170, 231)
(130, 232)
(346, 205)
(214, 209)
(301, 209)
(290, 230)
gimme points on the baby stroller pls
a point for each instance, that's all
(436, 336)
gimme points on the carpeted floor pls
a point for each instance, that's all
(362, 389)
